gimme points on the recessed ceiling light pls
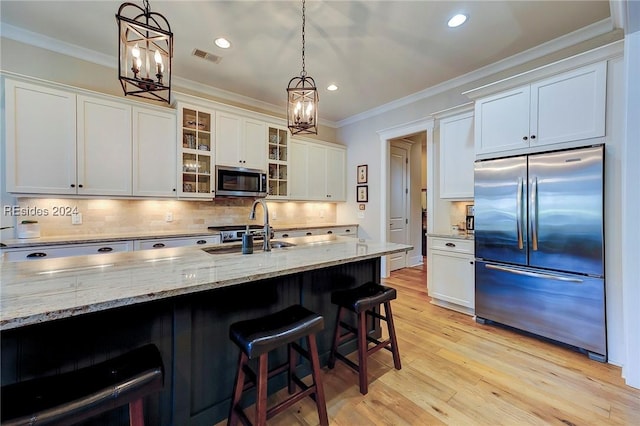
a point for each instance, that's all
(222, 43)
(457, 20)
(332, 87)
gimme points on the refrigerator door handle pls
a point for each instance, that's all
(534, 274)
(534, 213)
(519, 213)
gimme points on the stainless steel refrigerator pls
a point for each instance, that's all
(539, 245)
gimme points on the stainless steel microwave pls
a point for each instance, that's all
(240, 182)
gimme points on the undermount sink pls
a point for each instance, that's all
(257, 246)
(281, 244)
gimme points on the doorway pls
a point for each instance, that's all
(423, 130)
(399, 212)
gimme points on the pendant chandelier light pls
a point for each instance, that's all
(145, 50)
(302, 106)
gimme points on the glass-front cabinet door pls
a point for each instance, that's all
(195, 174)
(278, 175)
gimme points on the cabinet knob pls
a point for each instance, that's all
(533, 136)
(524, 138)
(158, 245)
(470, 263)
(73, 185)
(105, 249)
(450, 245)
(80, 186)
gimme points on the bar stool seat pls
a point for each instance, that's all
(256, 338)
(363, 301)
(68, 398)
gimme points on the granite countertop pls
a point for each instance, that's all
(86, 239)
(36, 292)
(460, 235)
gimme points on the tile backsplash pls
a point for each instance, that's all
(113, 216)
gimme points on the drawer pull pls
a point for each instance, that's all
(201, 242)
(309, 233)
(329, 232)
(158, 245)
(105, 249)
(347, 230)
(36, 255)
(285, 235)
(450, 245)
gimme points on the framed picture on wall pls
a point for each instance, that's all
(363, 173)
(362, 194)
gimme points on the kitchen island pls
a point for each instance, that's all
(62, 314)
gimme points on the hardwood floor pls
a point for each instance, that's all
(457, 372)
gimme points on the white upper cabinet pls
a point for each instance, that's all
(240, 141)
(40, 139)
(562, 108)
(457, 155)
(154, 153)
(298, 176)
(104, 152)
(317, 172)
(336, 174)
(65, 143)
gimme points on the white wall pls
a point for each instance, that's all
(631, 194)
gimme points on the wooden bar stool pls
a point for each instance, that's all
(69, 398)
(256, 338)
(363, 300)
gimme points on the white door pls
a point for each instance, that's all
(398, 214)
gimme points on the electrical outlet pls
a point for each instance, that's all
(168, 217)
(274, 215)
(321, 214)
(360, 215)
(76, 218)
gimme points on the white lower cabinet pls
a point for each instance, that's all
(157, 243)
(54, 251)
(450, 273)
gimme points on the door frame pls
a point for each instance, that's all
(385, 135)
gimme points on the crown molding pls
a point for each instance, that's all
(39, 40)
(573, 38)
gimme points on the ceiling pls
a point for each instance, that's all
(374, 51)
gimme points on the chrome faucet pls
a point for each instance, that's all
(266, 242)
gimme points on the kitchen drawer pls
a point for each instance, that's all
(51, 252)
(157, 243)
(338, 230)
(451, 244)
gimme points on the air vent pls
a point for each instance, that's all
(206, 55)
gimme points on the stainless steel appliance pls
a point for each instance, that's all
(539, 235)
(240, 182)
(233, 233)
